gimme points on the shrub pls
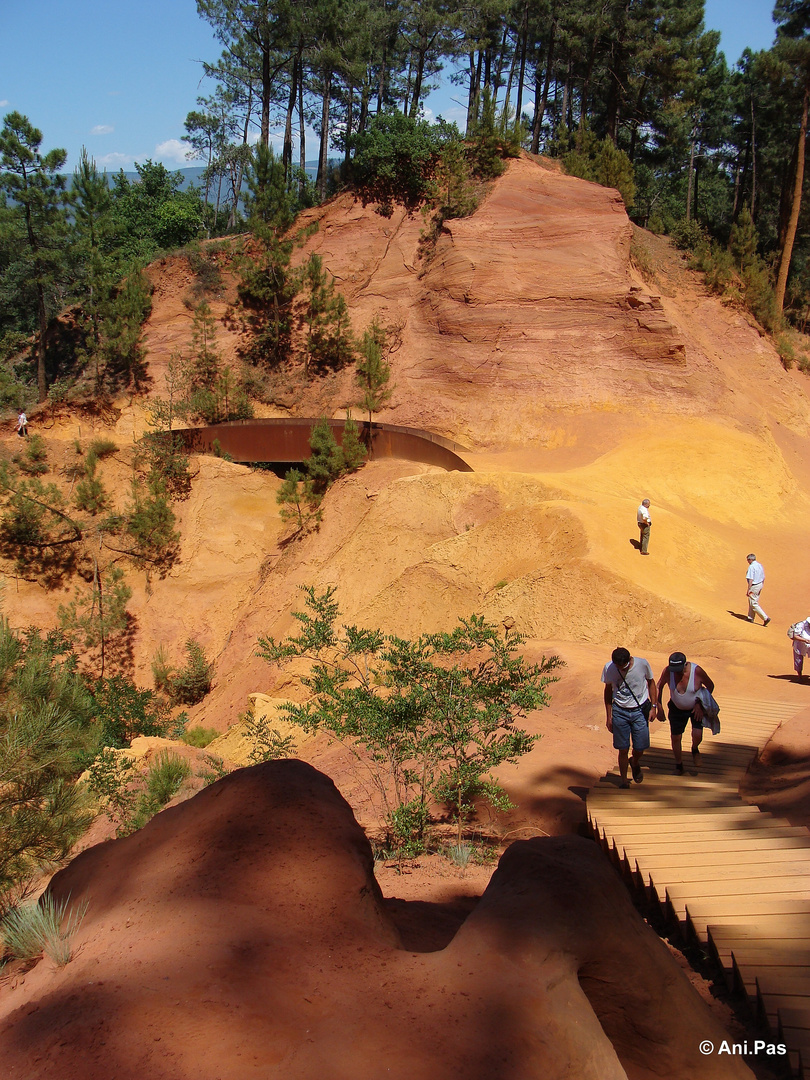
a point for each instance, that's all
(191, 683)
(214, 769)
(90, 495)
(44, 927)
(165, 777)
(297, 501)
(688, 235)
(199, 736)
(268, 744)
(602, 162)
(430, 718)
(123, 712)
(150, 523)
(101, 448)
(394, 159)
(34, 461)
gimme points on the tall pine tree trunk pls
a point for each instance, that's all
(524, 37)
(323, 156)
(540, 113)
(286, 154)
(790, 235)
(302, 146)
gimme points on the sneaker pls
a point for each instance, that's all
(637, 774)
(679, 770)
(767, 621)
(748, 618)
(624, 784)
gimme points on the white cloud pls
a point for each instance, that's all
(114, 161)
(4, 103)
(172, 150)
(102, 129)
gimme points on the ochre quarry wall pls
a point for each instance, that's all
(526, 306)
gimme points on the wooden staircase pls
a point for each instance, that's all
(735, 879)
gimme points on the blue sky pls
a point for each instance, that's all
(120, 76)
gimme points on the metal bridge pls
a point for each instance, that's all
(287, 440)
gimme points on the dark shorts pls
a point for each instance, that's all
(630, 724)
(679, 718)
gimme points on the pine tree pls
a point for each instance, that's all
(267, 286)
(36, 189)
(373, 372)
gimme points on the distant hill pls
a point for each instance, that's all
(192, 176)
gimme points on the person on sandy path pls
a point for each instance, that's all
(799, 633)
(684, 679)
(630, 696)
(754, 580)
(22, 424)
(644, 525)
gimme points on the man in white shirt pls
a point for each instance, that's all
(644, 524)
(754, 580)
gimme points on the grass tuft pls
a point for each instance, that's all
(44, 927)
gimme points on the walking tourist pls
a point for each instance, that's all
(630, 695)
(644, 525)
(800, 635)
(754, 580)
(684, 679)
(22, 424)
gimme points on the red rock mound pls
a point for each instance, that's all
(242, 934)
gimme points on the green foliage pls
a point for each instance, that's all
(688, 235)
(35, 531)
(199, 736)
(351, 446)
(268, 744)
(96, 615)
(189, 684)
(45, 712)
(430, 717)
(123, 316)
(323, 315)
(215, 769)
(152, 213)
(101, 448)
(297, 501)
(738, 273)
(395, 158)
(602, 162)
(165, 777)
(490, 141)
(43, 927)
(150, 523)
(373, 373)
(109, 779)
(32, 209)
(328, 460)
(267, 286)
(123, 712)
(34, 459)
(90, 495)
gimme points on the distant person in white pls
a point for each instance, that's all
(22, 424)
(754, 580)
(800, 633)
(644, 524)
